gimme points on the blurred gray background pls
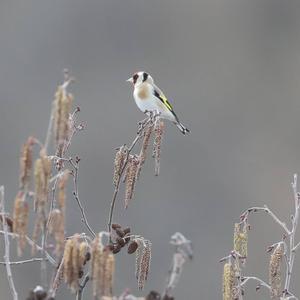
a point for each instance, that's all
(232, 70)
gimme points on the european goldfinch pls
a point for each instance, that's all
(149, 98)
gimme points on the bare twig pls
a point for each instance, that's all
(33, 244)
(6, 254)
(245, 279)
(292, 253)
(268, 211)
(82, 286)
(49, 130)
(21, 262)
(75, 165)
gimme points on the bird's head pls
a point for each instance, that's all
(140, 77)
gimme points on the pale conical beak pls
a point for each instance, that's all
(130, 80)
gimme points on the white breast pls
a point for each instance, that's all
(146, 101)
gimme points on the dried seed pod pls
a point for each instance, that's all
(20, 221)
(115, 226)
(119, 163)
(116, 249)
(56, 227)
(120, 241)
(120, 232)
(159, 130)
(132, 247)
(275, 272)
(26, 163)
(131, 178)
(145, 144)
(126, 230)
(240, 239)
(228, 282)
(144, 265)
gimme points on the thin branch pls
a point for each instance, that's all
(56, 280)
(269, 212)
(292, 253)
(296, 247)
(82, 286)
(260, 281)
(76, 195)
(20, 262)
(32, 243)
(49, 130)
(6, 254)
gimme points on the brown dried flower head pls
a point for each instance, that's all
(158, 130)
(240, 239)
(275, 272)
(26, 163)
(228, 282)
(20, 220)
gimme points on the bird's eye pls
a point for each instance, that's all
(145, 76)
(135, 78)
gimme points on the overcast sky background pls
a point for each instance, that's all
(232, 70)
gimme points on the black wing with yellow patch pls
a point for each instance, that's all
(165, 101)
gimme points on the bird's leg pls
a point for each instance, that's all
(142, 123)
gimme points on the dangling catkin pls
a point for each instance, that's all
(108, 275)
(275, 272)
(56, 228)
(72, 266)
(20, 221)
(62, 108)
(61, 185)
(145, 144)
(26, 163)
(103, 265)
(240, 239)
(83, 250)
(144, 265)
(119, 163)
(228, 282)
(158, 130)
(131, 178)
(42, 172)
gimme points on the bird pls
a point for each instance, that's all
(149, 98)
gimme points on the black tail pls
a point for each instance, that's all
(182, 128)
